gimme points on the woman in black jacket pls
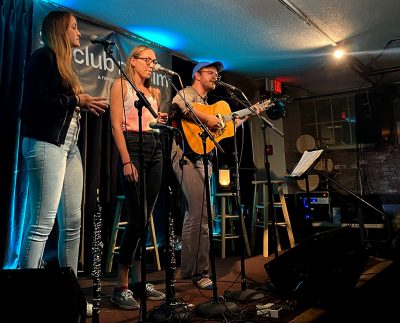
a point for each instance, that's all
(50, 116)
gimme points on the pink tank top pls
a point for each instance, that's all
(131, 112)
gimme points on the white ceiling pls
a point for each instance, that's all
(263, 38)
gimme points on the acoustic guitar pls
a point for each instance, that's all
(222, 110)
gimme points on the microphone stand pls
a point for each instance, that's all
(271, 210)
(216, 307)
(139, 104)
(359, 199)
(244, 294)
(171, 310)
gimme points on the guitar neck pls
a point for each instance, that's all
(239, 114)
(244, 112)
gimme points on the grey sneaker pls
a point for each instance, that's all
(124, 300)
(153, 294)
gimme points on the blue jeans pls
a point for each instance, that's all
(55, 189)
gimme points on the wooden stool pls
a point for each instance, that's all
(226, 206)
(121, 225)
(263, 205)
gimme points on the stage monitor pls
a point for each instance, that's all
(41, 295)
(321, 268)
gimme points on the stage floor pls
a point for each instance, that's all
(370, 302)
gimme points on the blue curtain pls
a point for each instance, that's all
(18, 24)
(15, 40)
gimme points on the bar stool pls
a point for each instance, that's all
(119, 225)
(226, 217)
(262, 204)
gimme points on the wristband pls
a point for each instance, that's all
(126, 163)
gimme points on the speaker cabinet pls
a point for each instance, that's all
(375, 116)
(321, 268)
(41, 295)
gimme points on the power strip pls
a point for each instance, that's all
(269, 310)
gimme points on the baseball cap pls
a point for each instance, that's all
(200, 65)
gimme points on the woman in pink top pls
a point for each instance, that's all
(125, 127)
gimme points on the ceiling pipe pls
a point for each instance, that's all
(384, 71)
(300, 14)
(360, 69)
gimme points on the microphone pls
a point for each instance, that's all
(158, 67)
(226, 85)
(155, 125)
(96, 40)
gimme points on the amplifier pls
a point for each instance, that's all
(319, 208)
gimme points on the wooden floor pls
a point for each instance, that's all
(228, 271)
(370, 302)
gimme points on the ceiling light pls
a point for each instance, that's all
(339, 53)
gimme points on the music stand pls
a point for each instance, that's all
(306, 166)
(307, 161)
(302, 169)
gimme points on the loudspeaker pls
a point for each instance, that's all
(374, 115)
(321, 268)
(41, 295)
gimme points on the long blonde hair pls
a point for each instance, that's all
(130, 70)
(54, 28)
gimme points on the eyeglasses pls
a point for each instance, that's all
(148, 60)
(211, 73)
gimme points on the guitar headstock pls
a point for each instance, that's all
(264, 104)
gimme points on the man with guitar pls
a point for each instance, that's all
(187, 162)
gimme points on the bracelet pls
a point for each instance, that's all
(123, 165)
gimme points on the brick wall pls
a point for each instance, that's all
(380, 168)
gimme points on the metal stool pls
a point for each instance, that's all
(121, 225)
(226, 206)
(263, 205)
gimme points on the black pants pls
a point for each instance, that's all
(152, 178)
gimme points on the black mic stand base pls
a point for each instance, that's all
(173, 312)
(216, 309)
(244, 296)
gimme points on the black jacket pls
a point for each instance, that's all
(47, 106)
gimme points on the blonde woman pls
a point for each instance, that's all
(125, 127)
(50, 114)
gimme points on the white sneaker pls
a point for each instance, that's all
(89, 310)
(153, 294)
